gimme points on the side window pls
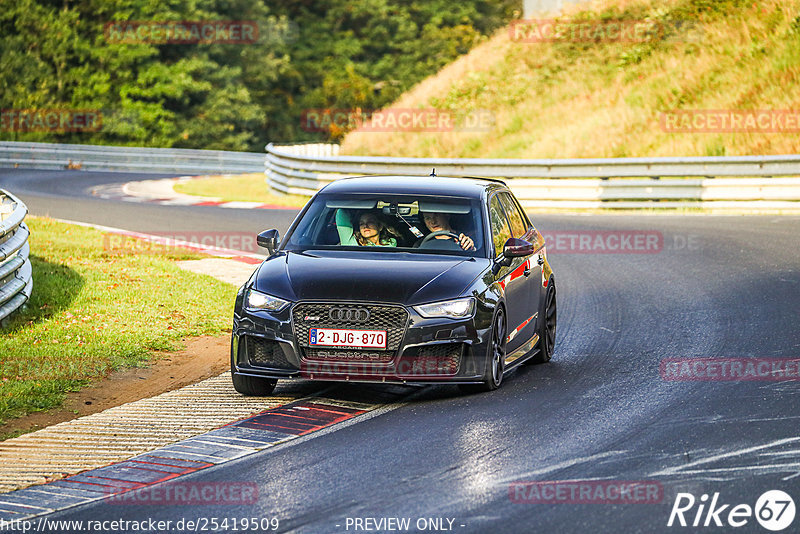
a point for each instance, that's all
(525, 218)
(500, 231)
(518, 226)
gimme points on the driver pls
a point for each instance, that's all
(440, 222)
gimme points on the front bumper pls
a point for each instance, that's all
(419, 350)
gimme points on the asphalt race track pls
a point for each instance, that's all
(66, 195)
(715, 287)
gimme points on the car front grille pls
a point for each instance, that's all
(266, 353)
(393, 319)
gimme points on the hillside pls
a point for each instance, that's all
(579, 97)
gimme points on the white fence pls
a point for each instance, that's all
(16, 277)
(770, 182)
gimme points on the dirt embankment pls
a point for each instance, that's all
(202, 358)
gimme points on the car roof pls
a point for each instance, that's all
(418, 185)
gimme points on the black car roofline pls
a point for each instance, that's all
(453, 196)
(485, 178)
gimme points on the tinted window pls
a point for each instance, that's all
(518, 225)
(500, 231)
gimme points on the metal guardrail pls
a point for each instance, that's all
(16, 275)
(53, 156)
(746, 181)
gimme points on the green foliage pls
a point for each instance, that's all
(311, 54)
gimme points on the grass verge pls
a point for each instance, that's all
(239, 188)
(99, 305)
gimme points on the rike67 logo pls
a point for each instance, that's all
(774, 510)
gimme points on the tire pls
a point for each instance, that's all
(251, 386)
(547, 326)
(495, 358)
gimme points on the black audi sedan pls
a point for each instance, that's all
(396, 279)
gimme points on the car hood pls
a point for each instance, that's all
(402, 278)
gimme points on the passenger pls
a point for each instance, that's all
(440, 222)
(372, 231)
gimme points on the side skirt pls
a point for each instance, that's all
(518, 356)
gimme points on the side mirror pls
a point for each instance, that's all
(517, 248)
(269, 239)
(513, 248)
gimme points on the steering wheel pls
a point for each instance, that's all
(433, 235)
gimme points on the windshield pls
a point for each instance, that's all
(370, 222)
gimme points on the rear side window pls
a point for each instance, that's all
(500, 230)
(518, 226)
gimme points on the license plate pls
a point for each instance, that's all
(339, 337)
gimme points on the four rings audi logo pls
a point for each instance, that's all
(350, 315)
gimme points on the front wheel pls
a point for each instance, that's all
(496, 356)
(254, 386)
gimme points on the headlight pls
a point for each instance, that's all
(255, 300)
(456, 309)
